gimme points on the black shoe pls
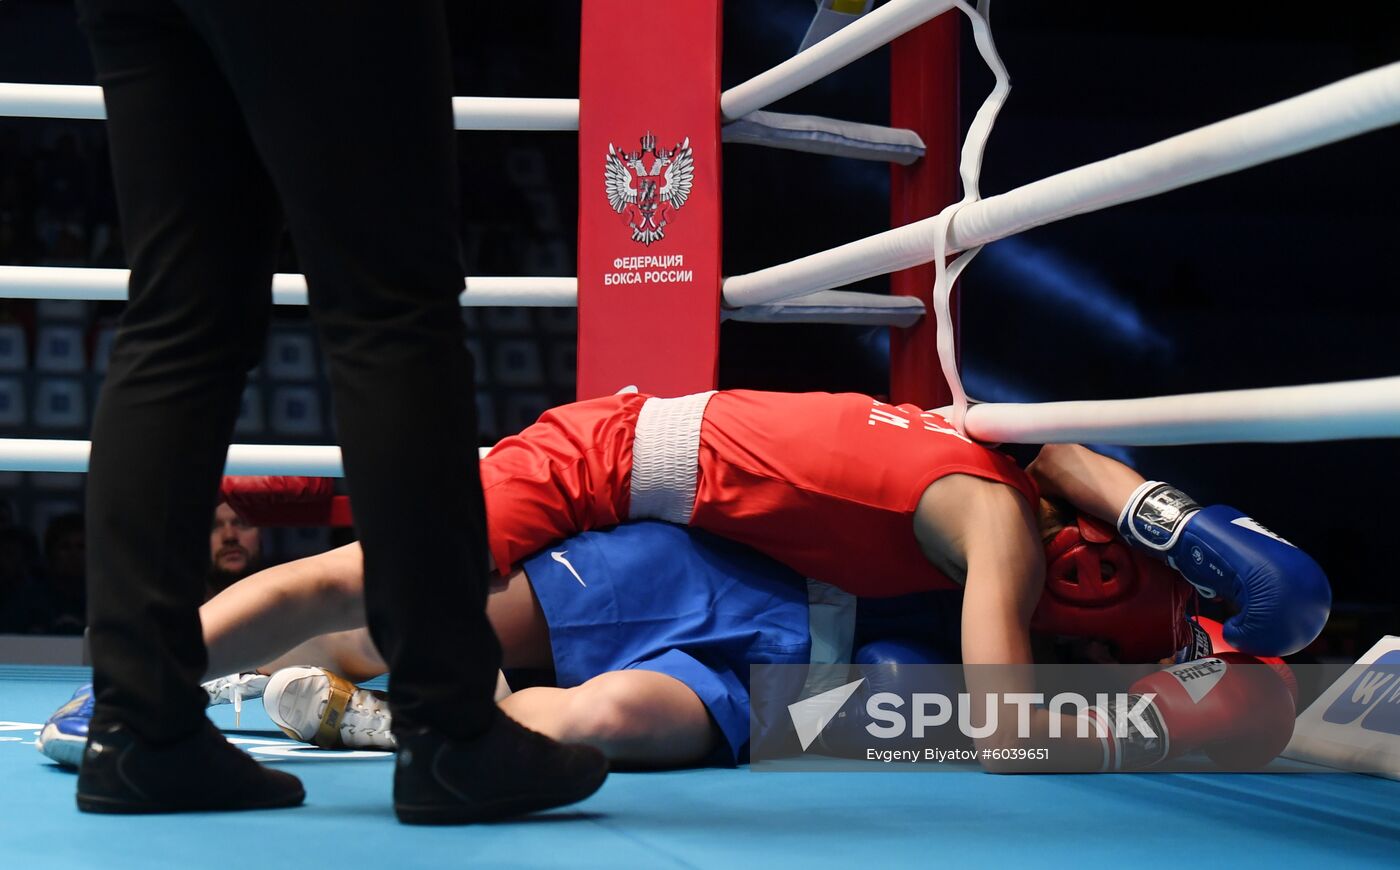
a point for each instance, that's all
(121, 773)
(508, 771)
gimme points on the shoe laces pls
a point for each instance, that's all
(234, 689)
(367, 715)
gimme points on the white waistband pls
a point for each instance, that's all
(666, 458)
(831, 621)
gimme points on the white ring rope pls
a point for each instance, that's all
(38, 454)
(1342, 110)
(850, 43)
(831, 306)
(76, 102)
(770, 129)
(56, 455)
(1359, 104)
(84, 103)
(514, 113)
(1314, 412)
(110, 285)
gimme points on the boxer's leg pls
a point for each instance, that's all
(352, 654)
(638, 718)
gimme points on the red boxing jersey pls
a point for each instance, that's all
(566, 473)
(827, 484)
(824, 483)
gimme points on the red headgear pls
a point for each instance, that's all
(1096, 586)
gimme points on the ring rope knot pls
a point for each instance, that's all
(970, 170)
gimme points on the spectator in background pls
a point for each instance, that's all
(235, 550)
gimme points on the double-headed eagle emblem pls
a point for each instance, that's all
(648, 195)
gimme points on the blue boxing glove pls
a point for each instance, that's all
(899, 666)
(1282, 595)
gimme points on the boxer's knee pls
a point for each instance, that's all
(603, 713)
(639, 717)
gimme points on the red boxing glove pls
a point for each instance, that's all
(1230, 705)
(1216, 634)
(281, 500)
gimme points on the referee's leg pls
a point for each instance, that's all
(200, 226)
(349, 103)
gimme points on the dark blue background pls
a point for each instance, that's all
(1281, 274)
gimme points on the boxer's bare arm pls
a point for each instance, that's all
(277, 617)
(259, 618)
(984, 535)
(1091, 482)
(992, 531)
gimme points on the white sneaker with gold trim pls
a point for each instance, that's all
(325, 709)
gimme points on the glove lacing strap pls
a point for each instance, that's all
(1126, 746)
(1155, 515)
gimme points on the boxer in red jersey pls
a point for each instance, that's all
(873, 498)
(828, 484)
(876, 499)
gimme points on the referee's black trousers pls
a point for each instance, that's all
(229, 119)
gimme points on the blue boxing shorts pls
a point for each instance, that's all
(676, 601)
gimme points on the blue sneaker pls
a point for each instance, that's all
(65, 734)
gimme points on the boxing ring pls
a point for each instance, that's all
(704, 818)
(710, 817)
